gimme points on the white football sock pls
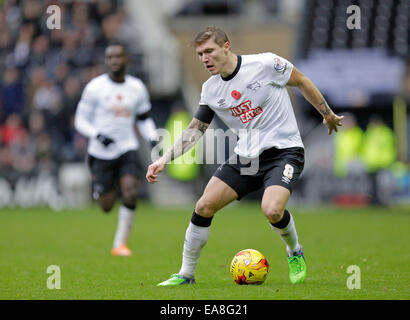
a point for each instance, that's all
(125, 223)
(195, 239)
(289, 236)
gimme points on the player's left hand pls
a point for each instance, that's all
(332, 121)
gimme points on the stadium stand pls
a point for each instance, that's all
(359, 70)
(360, 67)
(43, 73)
(383, 24)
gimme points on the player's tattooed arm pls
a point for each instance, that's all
(313, 95)
(309, 91)
(187, 140)
(324, 108)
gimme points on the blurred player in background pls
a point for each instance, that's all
(110, 106)
(248, 93)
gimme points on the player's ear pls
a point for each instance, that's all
(227, 46)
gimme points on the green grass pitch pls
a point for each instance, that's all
(79, 242)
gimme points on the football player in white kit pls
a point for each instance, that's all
(247, 93)
(110, 106)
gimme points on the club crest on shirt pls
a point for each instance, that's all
(245, 112)
(254, 86)
(279, 65)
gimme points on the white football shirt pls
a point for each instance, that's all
(254, 103)
(109, 108)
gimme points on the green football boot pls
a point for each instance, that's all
(175, 280)
(297, 267)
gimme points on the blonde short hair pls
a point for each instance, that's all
(209, 32)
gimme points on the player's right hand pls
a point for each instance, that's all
(154, 169)
(106, 141)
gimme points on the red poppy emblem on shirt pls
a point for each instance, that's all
(236, 94)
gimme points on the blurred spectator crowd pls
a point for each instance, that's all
(42, 74)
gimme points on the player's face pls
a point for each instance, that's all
(213, 56)
(115, 59)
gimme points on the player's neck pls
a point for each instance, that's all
(117, 77)
(230, 66)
